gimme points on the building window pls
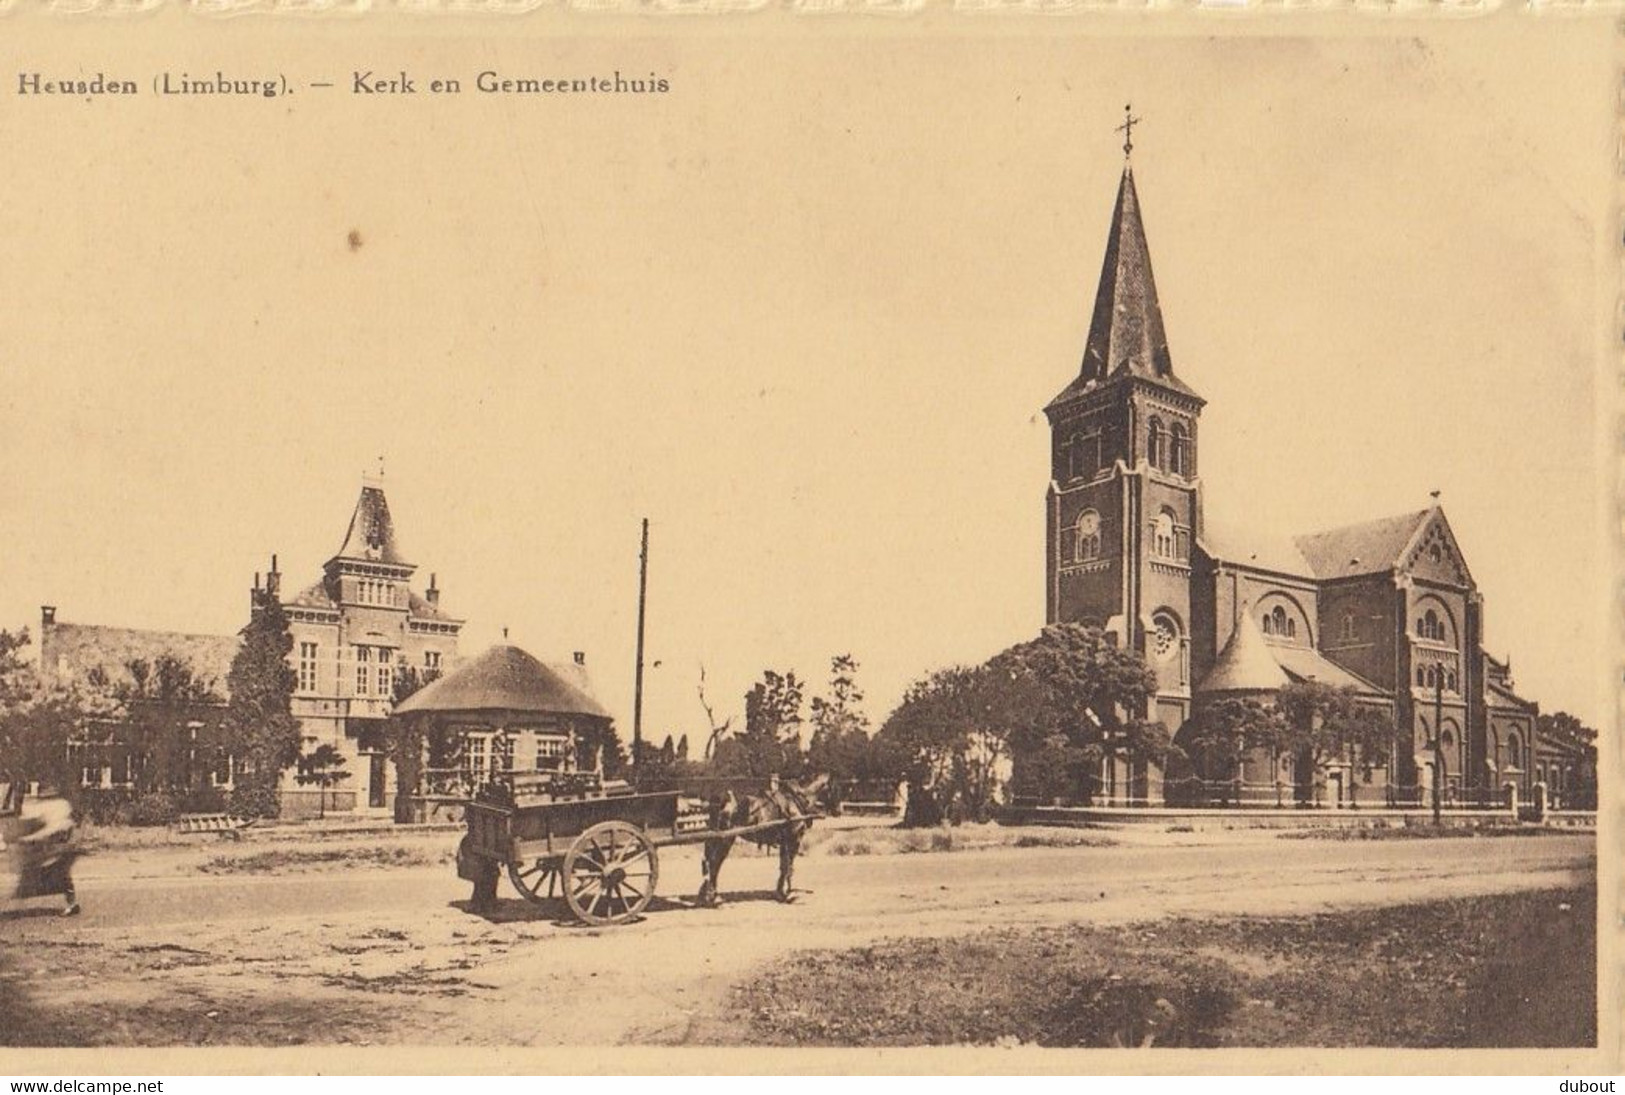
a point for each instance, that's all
(476, 759)
(386, 671)
(431, 661)
(1086, 537)
(550, 753)
(1349, 631)
(1430, 626)
(1450, 680)
(1179, 443)
(1155, 444)
(1421, 677)
(1514, 753)
(363, 666)
(120, 769)
(307, 667)
(1163, 542)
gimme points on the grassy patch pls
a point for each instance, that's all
(293, 860)
(895, 840)
(1509, 970)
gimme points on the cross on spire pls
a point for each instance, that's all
(1127, 129)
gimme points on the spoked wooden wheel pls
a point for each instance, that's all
(609, 873)
(536, 883)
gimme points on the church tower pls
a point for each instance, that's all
(1123, 507)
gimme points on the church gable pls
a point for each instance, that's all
(1434, 555)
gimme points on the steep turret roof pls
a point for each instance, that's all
(1245, 664)
(371, 536)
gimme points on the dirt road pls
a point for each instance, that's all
(392, 956)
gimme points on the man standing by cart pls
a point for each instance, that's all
(45, 851)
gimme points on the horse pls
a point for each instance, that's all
(782, 800)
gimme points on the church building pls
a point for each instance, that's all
(1387, 607)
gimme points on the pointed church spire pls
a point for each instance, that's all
(1126, 334)
(1126, 331)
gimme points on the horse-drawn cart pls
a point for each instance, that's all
(595, 844)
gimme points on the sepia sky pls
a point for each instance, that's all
(802, 312)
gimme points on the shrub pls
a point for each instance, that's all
(153, 808)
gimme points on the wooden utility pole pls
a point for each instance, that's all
(637, 694)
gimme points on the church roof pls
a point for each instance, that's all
(1246, 663)
(1368, 548)
(507, 679)
(371, 536)
(1259, 550)
(1303, 663)
(1499, 695)
(1126, 334)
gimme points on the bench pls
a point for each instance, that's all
(224, 824)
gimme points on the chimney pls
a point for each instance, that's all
(581, 657)
(433, 592)
(47, 615)
(273, 581)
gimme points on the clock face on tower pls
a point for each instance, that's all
(1089, 523)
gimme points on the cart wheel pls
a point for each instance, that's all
(609, 873)
(531, 882)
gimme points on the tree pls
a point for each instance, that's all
(599, 746)
(770, 743)
(172, 722)
(950, 737)
(260, 728)
(37, 723)
(1325, 722)
(1224, 731)
(1072, 689)
(840, 744)
(323, 766)
(719, 730)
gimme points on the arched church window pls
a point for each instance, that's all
(1291, 627)
(1421, 677)
(1278, 621)
(1450, 680)
(1514, 751)
(1180, 454)
(1155, 443)
(1162, 535)
(1086, 537)
(1269, 624)
(1432, 677)
(1349, 634)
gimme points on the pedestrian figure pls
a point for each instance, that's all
(44, 852)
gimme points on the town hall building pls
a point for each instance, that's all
(1388, 607)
